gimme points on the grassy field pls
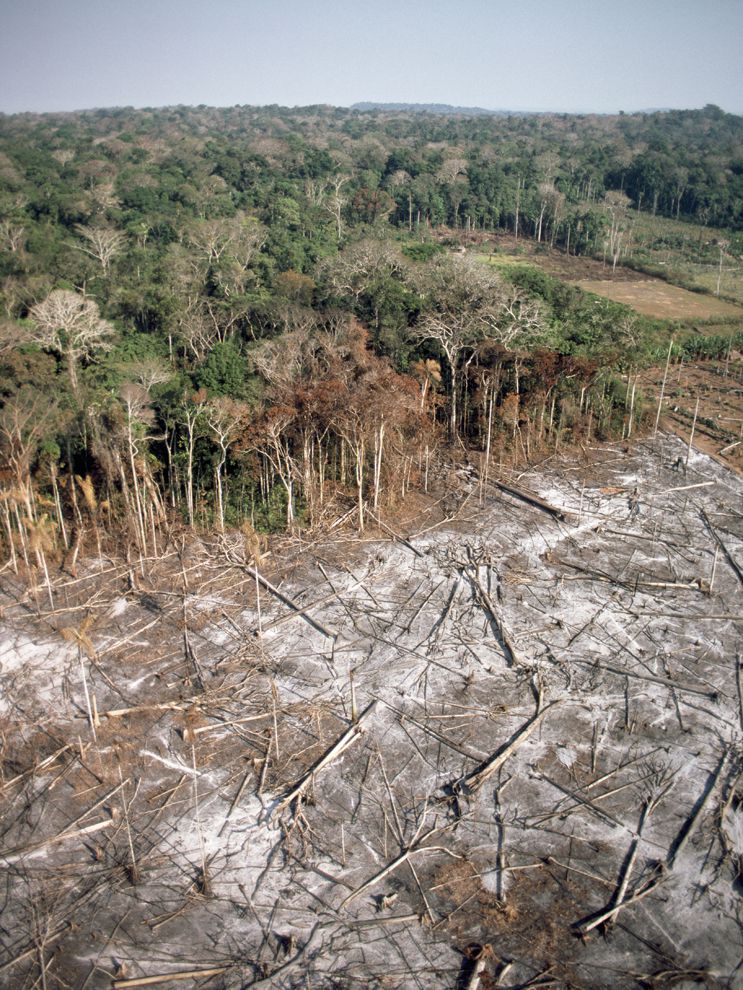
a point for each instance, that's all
(655, 298)
(686, 254)
(663, 262)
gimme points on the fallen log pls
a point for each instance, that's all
(270, 980)
(596, 575)
(662, 870)
(531, 498)
(13, 855)
(33, 950)
(289, 603)
(300, 612)
(439, 624)
(620, 899)
(393, 534)
(582, 928)
(665, 681)
(481, 961)
(394, 919)
(348, 737)
(580, 801)
(150, 981)
(414, 847)
(438, 736)
(473, 782)
(689, 826)
(512, 656)
(164, 707)
(43, 765)
(718, 539)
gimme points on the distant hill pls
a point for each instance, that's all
(442, 108)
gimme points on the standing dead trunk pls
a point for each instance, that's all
(378, 445)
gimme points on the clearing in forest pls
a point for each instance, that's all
(655, 298)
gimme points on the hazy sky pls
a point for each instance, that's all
(570, 55)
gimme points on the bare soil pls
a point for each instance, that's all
(512, 737)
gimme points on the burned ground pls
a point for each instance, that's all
(705, 395)
(505, 749)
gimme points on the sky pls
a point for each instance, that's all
(560, 55)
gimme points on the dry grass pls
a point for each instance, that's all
(652, 297)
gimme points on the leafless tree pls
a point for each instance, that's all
(71, 325)
(723, 245)
(224, 417)
(352, 272)
(101, 243)
(25, 419)
(451, 168)
(335, 200)
(617, 205)
(10, 336)
(239, 237)
(148, 372)
(465, 303)
(12, 235)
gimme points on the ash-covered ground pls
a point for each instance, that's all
(504, 751)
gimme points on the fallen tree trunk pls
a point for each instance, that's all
(474, 781)
(348, 737)
(289, 603)
(718, 539)
(512, 655)
(150, 981)
(531, 498)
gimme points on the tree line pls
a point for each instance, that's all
(246, 318)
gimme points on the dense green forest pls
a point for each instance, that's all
(254, 316)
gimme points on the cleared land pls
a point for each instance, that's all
(718, 388)
(482, 747)
(655, 298)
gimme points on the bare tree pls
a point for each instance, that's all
(71, 325)
(101, 243)
(723, 245)
(465, 303)
(225, 418)
(551, 202)
(228, 239)
(12, 235)
(360, 265)
(617, 205)
(272, 440)
(336, 200)
(26, 418)
(135, 401)
(148, 372)
(11, 335)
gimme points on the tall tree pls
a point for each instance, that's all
(463, 303)
(70, 324)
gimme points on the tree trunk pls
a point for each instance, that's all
(453, 411)
(378, 444)
(360, 451)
